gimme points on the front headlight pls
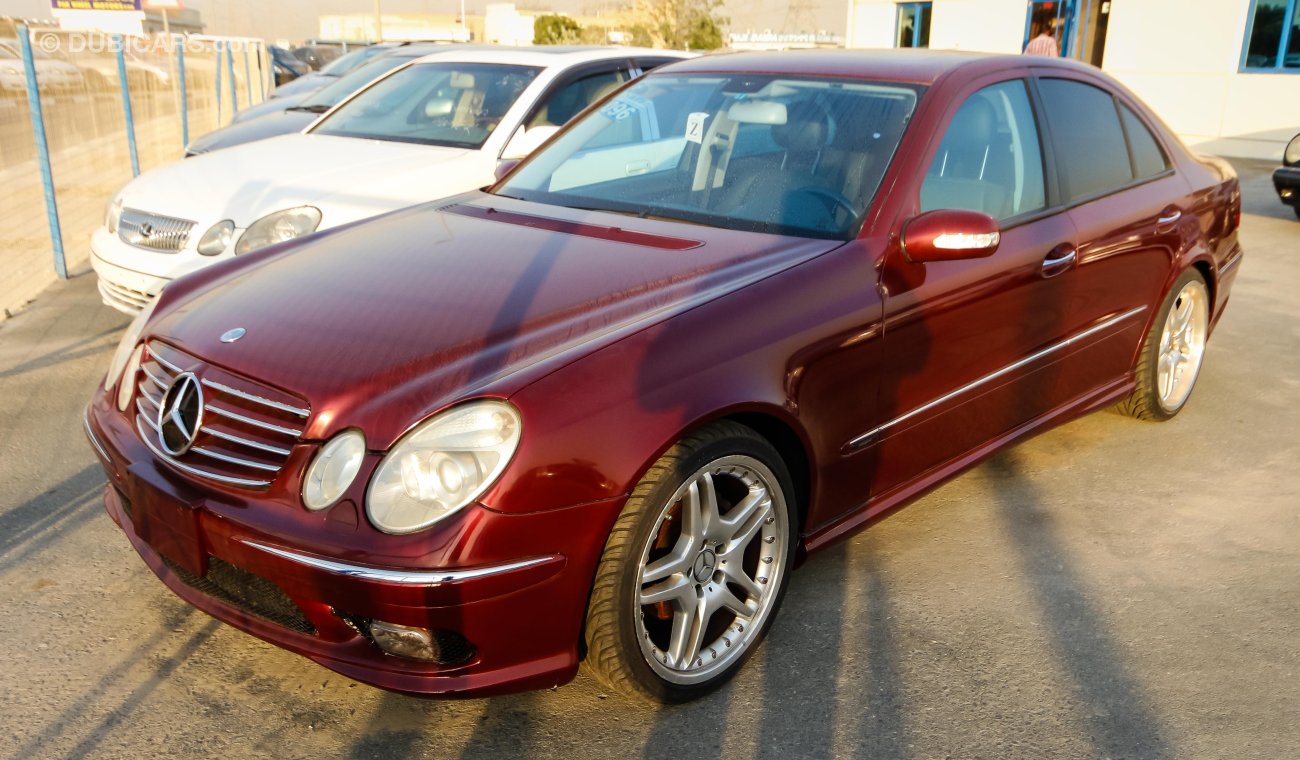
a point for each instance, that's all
(127, 345)
(112, 215)
(442, 465)
(279, 227)
(217, 238)
(333, 469)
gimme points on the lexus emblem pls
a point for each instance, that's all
(180, 414)
(146, 230)
(230, 336)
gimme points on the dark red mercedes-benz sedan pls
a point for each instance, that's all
(599, 411)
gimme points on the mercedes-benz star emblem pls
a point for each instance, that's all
(180, 414)
(230, 336)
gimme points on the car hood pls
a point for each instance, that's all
(272, 124)
(381, 323)
(271, 105)
(347, 178)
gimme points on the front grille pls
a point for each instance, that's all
(123, 297)
(153, 232)
(246, 591)
(246, 430)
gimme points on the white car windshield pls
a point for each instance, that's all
(798, 156)
(451, 104)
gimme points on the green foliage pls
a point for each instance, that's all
(678, 24)
(553, 29)
(705, 34)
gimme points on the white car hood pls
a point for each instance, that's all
(346, 178)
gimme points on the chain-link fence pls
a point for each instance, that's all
(108, 106)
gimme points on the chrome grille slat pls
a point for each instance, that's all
(234, 460)
(255, 399)
(249, 450)
(245, 442)
(153, 232)
(250, 421)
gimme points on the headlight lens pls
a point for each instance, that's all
(127, 345)
(217, 239)
(112, 215)
(442, 465)
(1292, 155)
(333, 469)
(126, 388)
(279, 227)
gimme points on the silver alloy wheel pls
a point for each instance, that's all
(1182, 345)
(711, 569)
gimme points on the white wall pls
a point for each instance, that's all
(990, 26)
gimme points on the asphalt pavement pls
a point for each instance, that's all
(1111, 588)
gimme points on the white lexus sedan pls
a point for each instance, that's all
(435, 127)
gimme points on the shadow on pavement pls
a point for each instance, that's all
(33, 525)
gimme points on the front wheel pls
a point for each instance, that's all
(1172, 352)
(695, 567)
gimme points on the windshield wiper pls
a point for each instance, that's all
(318, 108)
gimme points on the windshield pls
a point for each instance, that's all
(334, 93)
(452, 104)
(796, 156)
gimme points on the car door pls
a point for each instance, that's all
(969, 346)
(1127, 203)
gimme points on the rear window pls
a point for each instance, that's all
(1087, 136)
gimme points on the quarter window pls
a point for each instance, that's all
(989, 159)
(1272, 36)
(1087, 137)
(1148, 159)
(913, 25)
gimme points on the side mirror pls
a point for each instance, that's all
(950, 235)
(527, 140)
(1291, 157)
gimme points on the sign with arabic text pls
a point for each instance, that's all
(95, 5)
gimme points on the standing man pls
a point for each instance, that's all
(1045, 43)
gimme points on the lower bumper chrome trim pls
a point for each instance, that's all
(403, 577)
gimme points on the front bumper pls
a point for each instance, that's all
(520, 615)
(130, 277)
(1286, 181)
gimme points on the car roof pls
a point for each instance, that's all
(913, 66)
(547, 55)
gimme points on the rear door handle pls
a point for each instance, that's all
(1061, 258)
(1169, 217)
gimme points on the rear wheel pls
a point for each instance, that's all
(1172, 352)
(695, 567)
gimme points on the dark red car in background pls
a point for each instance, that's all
(600, 411)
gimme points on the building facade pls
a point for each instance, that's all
(1224, 74)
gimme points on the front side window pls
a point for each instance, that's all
(452, 104)
(1087, 137)
(1272, 36)
(989, 159)
(913, 25)
(566, 102)
(751, 152)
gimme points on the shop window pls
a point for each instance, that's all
(913, 25)
(1272, 36)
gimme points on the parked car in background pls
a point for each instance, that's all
(1286, 178)
(52, 75)
(285, 67)
(282, 116)
(430, 128)
(309, 83)
(317, 56)
(728, 317)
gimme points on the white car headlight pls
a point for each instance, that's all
(217, 239)
(333, 469)
(279, 227)
(442, 465)
(127, 344)
(112, 215)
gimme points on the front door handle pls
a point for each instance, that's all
(1169, 216)
(1061, 258)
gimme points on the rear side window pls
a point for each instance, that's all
(1087, 136)
(1148, 159)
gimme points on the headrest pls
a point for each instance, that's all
(806, 128)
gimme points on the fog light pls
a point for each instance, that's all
(405, 641)
(1286, 192)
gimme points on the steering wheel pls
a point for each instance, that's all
(832, 199)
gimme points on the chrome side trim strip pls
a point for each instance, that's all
(867, 437)
(245, 442)
(404, 577)
(94, 439)
(234, 460)
(249, 420)
(1231, 263)
(255, 399)
(194, 470)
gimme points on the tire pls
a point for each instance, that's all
(1296, 209)
(715, 507)
(1172, 352)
